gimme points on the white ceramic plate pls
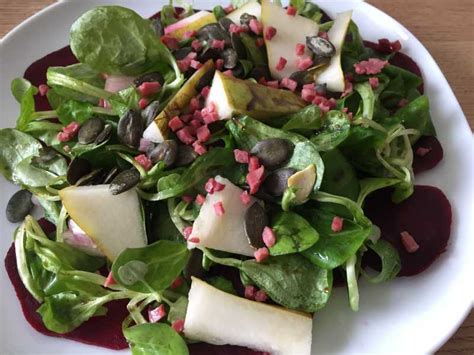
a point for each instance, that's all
(408, 315)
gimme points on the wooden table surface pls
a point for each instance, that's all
(445, 28)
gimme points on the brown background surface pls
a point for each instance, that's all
(445, 27)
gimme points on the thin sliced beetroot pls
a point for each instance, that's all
(426, 215)
(36, 72)
(104, 331)
(432, 158)
(401, 60)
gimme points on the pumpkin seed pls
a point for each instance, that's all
(194, 265)
(212, 31)
(205, 80)
(78, 168)
(273, 152)
(255, 221)
(245, 19)
(230, 58)
(90, 130)
(321, 47)
(302, 77)
(19, 206)
(238, 45)
(186, 155)
(277, 182)
(155, 76)
(104, 135)
(209, 53)
(130, 128)
(158, 27)
(46, 154)
(93, 178)
(124, 181)
(110, 175)
(225, 23)
(182, 52)
(150, 112)
(166, 152)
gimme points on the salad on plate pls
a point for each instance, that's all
(206, 178)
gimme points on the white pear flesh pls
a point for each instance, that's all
(251, 8)
(291, 30)
(113, 222)
(303, 181)
(332, 75)
(219, 318)
(224, 232)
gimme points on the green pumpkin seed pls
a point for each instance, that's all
(255, 221)
(186, 155)
(277, 182)
(104, 135)
(78, 168)
(273, 152)
(19, 206)
(166, 152)
(90, 130)
(130, 128)
(124, 181)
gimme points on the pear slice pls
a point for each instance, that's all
(157, 131)
(224, 232)
(332, 75)
(303, 181)
(251, 8)
(113, 222)
(217, 317)
(235, 96)
(190, 23)
(291, 30)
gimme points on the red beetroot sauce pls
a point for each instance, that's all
(106, 331)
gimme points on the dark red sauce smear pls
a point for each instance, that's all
(426, 215)
(430, 159)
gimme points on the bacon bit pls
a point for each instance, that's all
(245, 197)
(229, 9)
(403, 103)
(209, 113)
(233, 28)
(290, 10)
(254, 163)
(255, 179)
(197, 115)
(189, 34)
(261, 254)
(155, 315)
(260, 42)
(289, 84)
(249, 292)
(143, 102)
(170, 42)
(374, 82)
(149, 88)
(187, 198)
(185, 136)
(194, 104)
(213, 186)
(272, 84)
(196, 45)
(205, 91)
(203, 134)
(261, 296)
(199, 148)
(421, 151)
(194, 240)
(371, 66)
(219, 208)
(183, 65)
(337, 224)
(178, 325)
(228, 73)
(332, 103)
(409, 243)
(195, 124)
(324, 35)
(102, 102)
(195, 64)
(300, 47)
(256, 26)
(281, 64)
(187, 231)
(308, 95)
(324, 108)
(144, 161)
(43, 89)
(72, 128)
(304, 63)
(177, 283)
(186, 118)
(241, 156)
(175, 124)
(219, 64)
(269, 237)
(200, 199)
(145, 145)
(109, 281)
(348, 88)
(218, 44)
(270, 32)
